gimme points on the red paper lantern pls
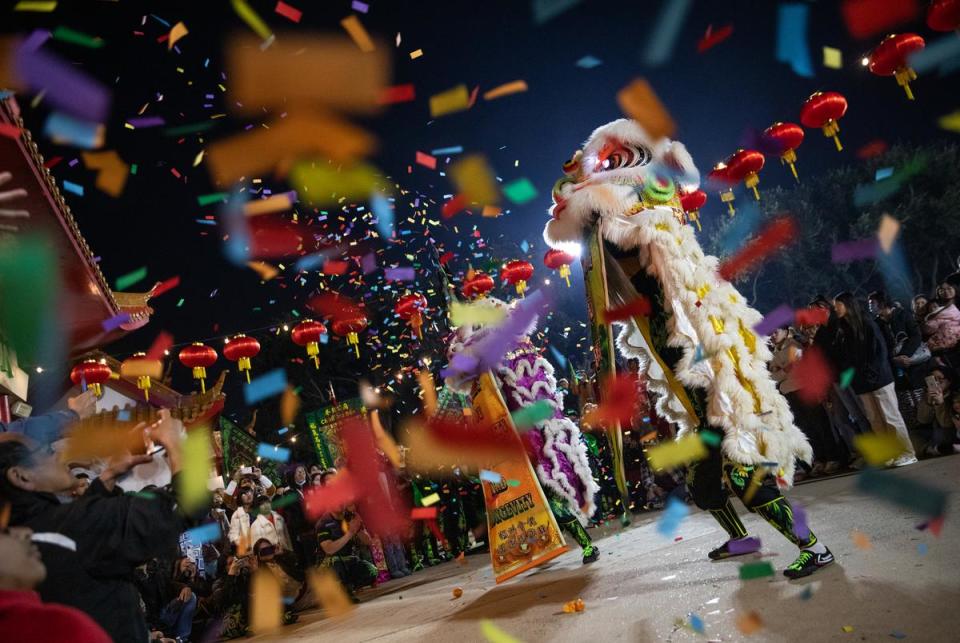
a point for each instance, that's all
(240, 349)
(349, 327)
(198, 357)
(691, 202)
(558, 259)
(890, 58)
(91, 374)
(744, 165)
(136, 366)
(824, 110)
(308, 333)
(477, 285)
(410, 308)
(720, 177)
(786, 138)
(517, 272)
(944, 15)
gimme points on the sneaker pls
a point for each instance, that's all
(807, 563)
(590, 554)
(857, 463)
(817, 470)
(904, 460)
(723, 551)
(831, 468)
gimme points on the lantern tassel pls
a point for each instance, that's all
(830, 129)
(904, 75)
(695, 217)
(790, 158)
(203, 385)
(565, 273)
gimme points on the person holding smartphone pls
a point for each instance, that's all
(340, 535)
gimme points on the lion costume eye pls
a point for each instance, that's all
(624, 156)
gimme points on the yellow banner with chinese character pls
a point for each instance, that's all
(522, 530)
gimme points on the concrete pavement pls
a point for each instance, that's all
(892, 582)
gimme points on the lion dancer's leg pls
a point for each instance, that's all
(760, 495)
(570, 524)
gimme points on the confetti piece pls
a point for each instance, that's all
(112, 172)
(589, 62)
(100, 442)
(66, 130)
(265, 386)
(749, 623)
(865, 18)
(73, 188)
(429, 390)
(663, 37)
(883, 173)
(922, 549)
(528, 416)
(771, 239)
(329, 592)
(847, 628)
(942, 55)
(426, 160)
(65, 34)
(849, 251)
(416, 53)
(520, 191)
(261, 150)
(513, 87)
(710, 438)
(62, 86)
(115, 322)
(746, 545)
(39, 6)
(813, 316)
(846, 377)
(696, 624)
(713, 38)
(289, 405)
(290, 13)
(204, 533)
(9, 131)
(397, 94)
(671, 455)
(860, 540)
(358, 33)
(742, 227)
(475, 314)
(491, 632)
(807, 593)
(792, 38)
(432, 499)
(832, 58)
(454, 149)
(197, 457)
(474, 179)
(749, 571)
(312, 70)
(399, 274)
(673, 514)
(266, 602)
(450, 101)
(253, 20)
(273, 452)
(910, 494)
(362, 7)
(950, 122)
(639, 102)
(779, 317)
(337, 493)
(265, 270)
(639, 307)
(131, 278)
(423, 513)
(325, 183)
(878, 448)
(815, 375)
(887, 232)
(178, 31)
(490, 476)
(163, 341)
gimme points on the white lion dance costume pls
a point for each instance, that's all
(554, 446)
(696, 348)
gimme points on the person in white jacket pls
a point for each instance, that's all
(271, 526)
(240, 521)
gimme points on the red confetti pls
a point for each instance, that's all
(936, 526)
(333, 496)
(814, 316)
(334, 306)
(174, 172)
(871, 149)
(334, 267)
(815, 375)
(772, 238)
(53, 162)
(867, 18)
(713, 38)
(397, 94)
(619, 400)
(426, 160)
(639, 307)
(423, 513)
(163, 341)
(472, 436)
(164, 286)
(446, 257)
(291, 13)
(10, 131)
(453, 206)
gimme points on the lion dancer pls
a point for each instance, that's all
(696, 347)
(556, 451)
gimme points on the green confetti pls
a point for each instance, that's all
(756, 570)
(520, 191)
(528, 416)
(494, 634)
(66, 34)
(146, 495)
(207, 199)
(188, 129)
(133, 168)
(29, 283)
(710, 438)
(846, 377)
(284, 500)
(513, 483)
(131, 278)
(180, 303)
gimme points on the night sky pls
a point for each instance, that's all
(717, 98)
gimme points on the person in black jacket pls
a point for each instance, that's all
(858, 344)
(92, 545)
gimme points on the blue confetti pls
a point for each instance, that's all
(589, 62)
(490, 476)
(282, 430)
(782, 315)
(561, 360)
(204, 533)
(440, 151)
(69, 186)
(806, 594)
(696, 624)
(123, 415)
(273, 383)
(883, 173)
(72, 131)
(922, 549)
(273, 452)
(661, 42)
(671, 517)
(524, 246)
(741, 227)
(384, 213)
(792, 38)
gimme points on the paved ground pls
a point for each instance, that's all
(902, 583)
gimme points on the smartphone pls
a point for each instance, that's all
(933, 385)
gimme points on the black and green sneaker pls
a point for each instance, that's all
(590, 554)
(807, 563)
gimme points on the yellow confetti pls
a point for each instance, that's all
(274, 203)
(847, 628)
(950, 122)
(142, 368)
(450, 101)
(384, 441)
(249, 16)
(674, 454)
(878, 448)
(358, 33)
(860, 540)
(289, 405)
(888, 231)
(413, 54)
(35, 5)
(198, 158)
(506, 89)
(494, 634)
(429, 392)
(266, 603)
(329, 593)
(178, 31)
(264, 269)
(195, 469)
(832, 58)
(474, 179)
(432, 499)
(321, 182)
(474, 314)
